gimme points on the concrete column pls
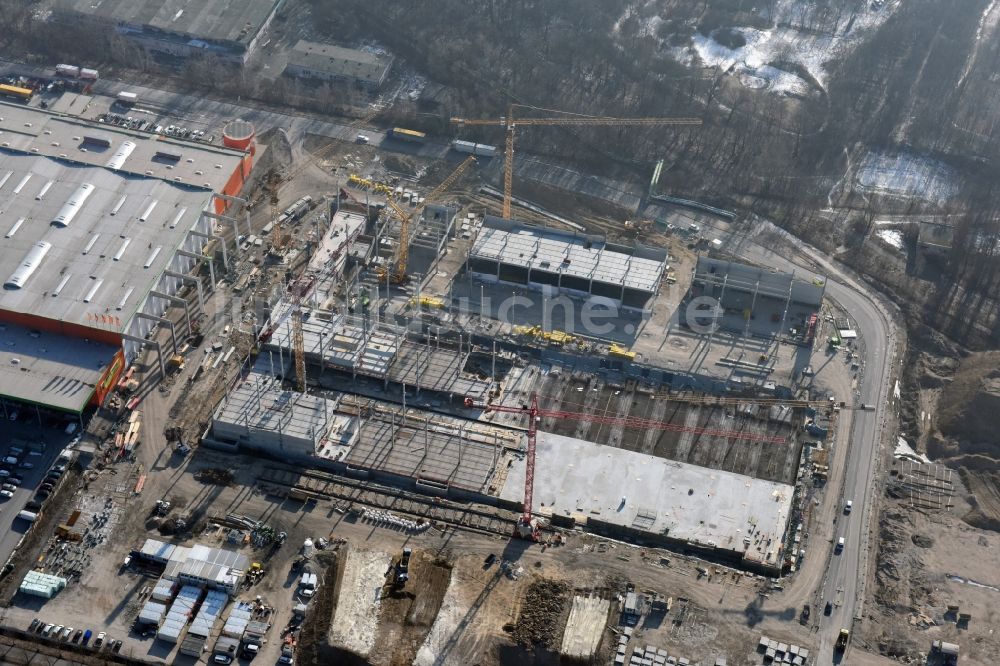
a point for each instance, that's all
(164, 322)
(189, 279)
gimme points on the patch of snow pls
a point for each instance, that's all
(749, 62)
(355, 621)
(893, 237)
(907, 174)
(905, 452)
(795, 37)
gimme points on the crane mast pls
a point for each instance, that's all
(509, 124)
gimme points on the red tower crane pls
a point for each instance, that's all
(526, 527)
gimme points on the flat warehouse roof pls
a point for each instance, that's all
(338, 60)
(586, 257)
(223, 20)
(52, 370)
(40, 132)
(86, 244)
(703, 506)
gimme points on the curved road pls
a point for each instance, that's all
(846, 573)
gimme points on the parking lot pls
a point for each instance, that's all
(147, 121)
(27, 443)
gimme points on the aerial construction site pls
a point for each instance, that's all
(341, 395)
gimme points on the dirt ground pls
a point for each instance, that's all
(408, 614)
(929, 560)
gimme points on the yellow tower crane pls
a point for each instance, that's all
(398, 268)
(508, 122)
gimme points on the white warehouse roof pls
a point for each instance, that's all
(85, 245)
(575, 255)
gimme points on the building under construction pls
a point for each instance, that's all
(572, 263)
(626, 494)
(360, 346)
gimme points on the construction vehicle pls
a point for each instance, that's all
(620, 352)
(432, 302)
(401, 570)
(557, 338)
(508, 123)
(842, 638)
(527, 527)
(397, 272)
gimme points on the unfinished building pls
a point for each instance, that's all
(649, 499)
(361, 346)
(365, 438)
(755, 300)
(627, 494)
(571, 263)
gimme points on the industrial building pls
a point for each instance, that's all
(739, 286)
(573, 263)
(653, 500)
(228, 29)
(363, 437)
(360, 346)
(625, 494)
(259, 414)
(326, 62)
(103, 229)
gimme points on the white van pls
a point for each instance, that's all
(840, 545)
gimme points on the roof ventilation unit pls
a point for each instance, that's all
(93, 291)
(73, 206)
(30, 264)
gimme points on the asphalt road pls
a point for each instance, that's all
(846, 571)
(199, 112)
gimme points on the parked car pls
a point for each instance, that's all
(117, 646)
(9, 486)
(86, 637)
(47, 630)
(33, 625)
(286, 660)
(99, 641)
(14, 480)
(27, 465)
(67, 632)
(77, 635)
(6, 494)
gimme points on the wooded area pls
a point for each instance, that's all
(921, 83)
